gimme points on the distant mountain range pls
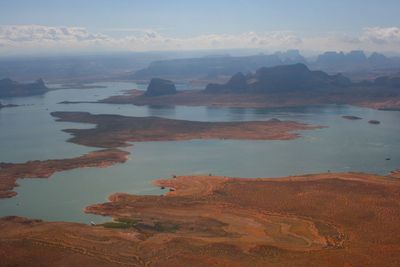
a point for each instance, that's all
(354, 60)
(212, 67)
(186, 65)
(299, 78)
(77, 68)
(10, 88)
(285, 78)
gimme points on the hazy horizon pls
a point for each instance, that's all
(73, 27)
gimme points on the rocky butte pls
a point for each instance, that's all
(158, 87)
(285, 78)
(279, 86)
(10, 88)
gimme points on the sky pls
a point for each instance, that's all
(55, 26)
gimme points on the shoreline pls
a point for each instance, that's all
(243, 100)
(112, 131)
(36, 169)
(323, 219)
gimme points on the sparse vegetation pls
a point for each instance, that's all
(121, 223)
(166, 227)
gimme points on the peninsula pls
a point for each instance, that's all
(328, 219)
(113, 131)
(7, 106)
(10, 172)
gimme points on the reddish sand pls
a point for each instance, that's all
(241, 100)
(395, 174)
(115, 131)
(10, 172)
(331, 219)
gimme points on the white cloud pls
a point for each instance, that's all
(37, 38)
(379, 35)
(154, 41)
(29, 38)
(37, 33)
(133, 29)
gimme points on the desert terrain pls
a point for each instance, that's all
(328, 219)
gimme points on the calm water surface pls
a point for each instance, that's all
(28, 132)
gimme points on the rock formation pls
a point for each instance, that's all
(159, 87)
(388, 81)
(10, 88)
(285, 78)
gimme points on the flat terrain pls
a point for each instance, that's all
(115, 131)
(10, 172)
(330, 219)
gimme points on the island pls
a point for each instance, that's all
(10, 172)
(374, 122)
(351, 118)
(10, 88)
(113, 131)
(7, 106)
(279, 86)
(327, 219)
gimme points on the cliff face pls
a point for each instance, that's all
(10, 88)
(354, 61)
(159, 87)
(284, 78)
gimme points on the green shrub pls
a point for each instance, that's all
(121, 223)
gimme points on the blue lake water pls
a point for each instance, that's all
(29, 132)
